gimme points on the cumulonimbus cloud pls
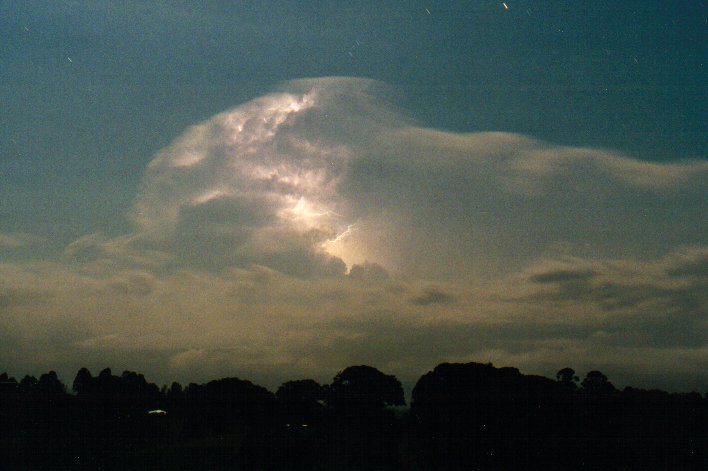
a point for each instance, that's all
(326, 173)
(319, 226)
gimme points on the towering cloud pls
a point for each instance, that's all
(327, 171)
(319, 226)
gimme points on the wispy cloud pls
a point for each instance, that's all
(17, 240)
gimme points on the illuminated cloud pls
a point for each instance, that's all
(319, 227)
(326, 173)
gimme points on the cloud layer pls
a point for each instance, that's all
(318, 227)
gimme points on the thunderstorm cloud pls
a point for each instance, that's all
(319, 226)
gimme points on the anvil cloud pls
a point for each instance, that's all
(319, 226)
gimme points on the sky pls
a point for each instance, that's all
(279, 190)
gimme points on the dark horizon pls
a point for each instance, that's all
(459, 416)
(322, 378)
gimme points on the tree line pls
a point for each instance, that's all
(461, 416)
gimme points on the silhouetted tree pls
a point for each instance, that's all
(106, 384)
(567, 378)
(175, 392)
(566, 375)
(596, 383)
(50, 385)
(83, 381)
(28, 384)
(475, 415)
(226, 405)
(105, 374)
(364, 433)
(301, 401)
(365, 386)
(133, 387)
(8, 384)
(7, 381)
(303, 391)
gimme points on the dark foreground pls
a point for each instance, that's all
(462, 416)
